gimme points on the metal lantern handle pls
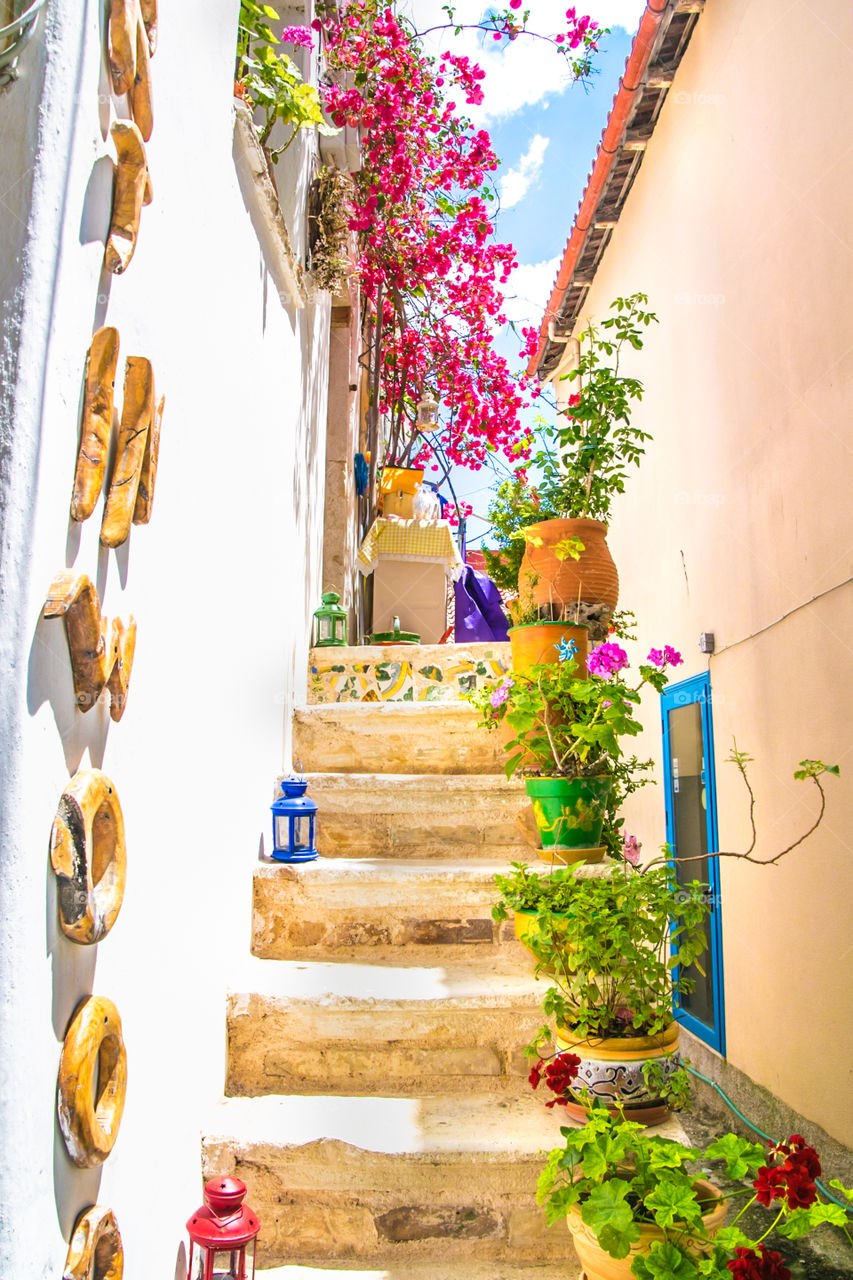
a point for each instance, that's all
(18, 33)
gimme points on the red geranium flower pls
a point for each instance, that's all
(769, 1185)
(766, 1265)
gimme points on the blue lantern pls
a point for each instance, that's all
(293, 816)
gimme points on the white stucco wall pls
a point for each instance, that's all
(739, 519)
(222, 583)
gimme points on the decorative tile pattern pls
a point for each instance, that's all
(403, 673)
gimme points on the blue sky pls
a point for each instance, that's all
(545, 132)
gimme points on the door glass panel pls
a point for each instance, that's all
(690, 837)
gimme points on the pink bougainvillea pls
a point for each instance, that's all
(430, 267)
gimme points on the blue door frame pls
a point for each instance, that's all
(697, 689)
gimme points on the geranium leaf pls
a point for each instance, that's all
(741, 1157)
(607, 1213)
(674, 1201)
(802, 1221)
(665, 1262)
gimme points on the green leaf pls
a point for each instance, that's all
(731, 1238)
(607, 1213)
(802, 1221)
(741, 1157)
(674, 1201)
(665, 1261)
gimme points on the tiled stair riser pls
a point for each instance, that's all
(401, 673)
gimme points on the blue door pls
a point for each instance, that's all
(691, 832)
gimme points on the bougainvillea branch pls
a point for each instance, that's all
(430, 267)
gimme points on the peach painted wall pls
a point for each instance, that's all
(740, 228)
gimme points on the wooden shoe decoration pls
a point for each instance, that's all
(96, 1251)
(88, 853)
(101, 651)
(148, 9)
(97, 422)
(131, 190)
(148, 471)
(121, 44)
(131, 41)
(92, 1082)
(137, 417)
(139, 98)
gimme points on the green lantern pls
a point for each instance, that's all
(330, 622)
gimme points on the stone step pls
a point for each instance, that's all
(465, 1270)
(395, 737)
(469, 1038)
(376, 907)
(391, 1181)
(419, 815)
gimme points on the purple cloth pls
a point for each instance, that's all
(479, 611)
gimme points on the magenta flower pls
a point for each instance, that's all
(631, 847)
(656, 658)
(299, 36)
(606, 660)
(672, 656)
(500, 694)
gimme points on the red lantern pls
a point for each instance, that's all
(220, 1232)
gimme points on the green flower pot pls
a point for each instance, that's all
(569, 811)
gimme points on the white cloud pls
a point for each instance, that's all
(526, 71)
(528, 290)
(515, 183)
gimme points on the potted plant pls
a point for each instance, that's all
(617, 957)
(536, 902)
(582, 464)
(636, 1206)
(268, 80)
(535, 640)
(566, 738)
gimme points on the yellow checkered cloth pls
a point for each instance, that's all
(409, 540)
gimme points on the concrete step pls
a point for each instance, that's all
(419, 815)
(468, 1039)
(390, 1181)
(395, 737)
(347, 907)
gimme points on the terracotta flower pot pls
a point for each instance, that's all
(598, 1265)
(591, 580)
(612, 1070)
(537, 642)
(570, 812)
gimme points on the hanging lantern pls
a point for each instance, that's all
(293, 815)
(221, 1232)
(330, 622)
(428, 413)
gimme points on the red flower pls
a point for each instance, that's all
(749, 1265)
(769, 1185)
(800, 1190)
(802, 1156)
(793, 1180)
(559, 1075)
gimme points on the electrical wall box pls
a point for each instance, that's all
(706, 642)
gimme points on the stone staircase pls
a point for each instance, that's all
(377, 1103)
